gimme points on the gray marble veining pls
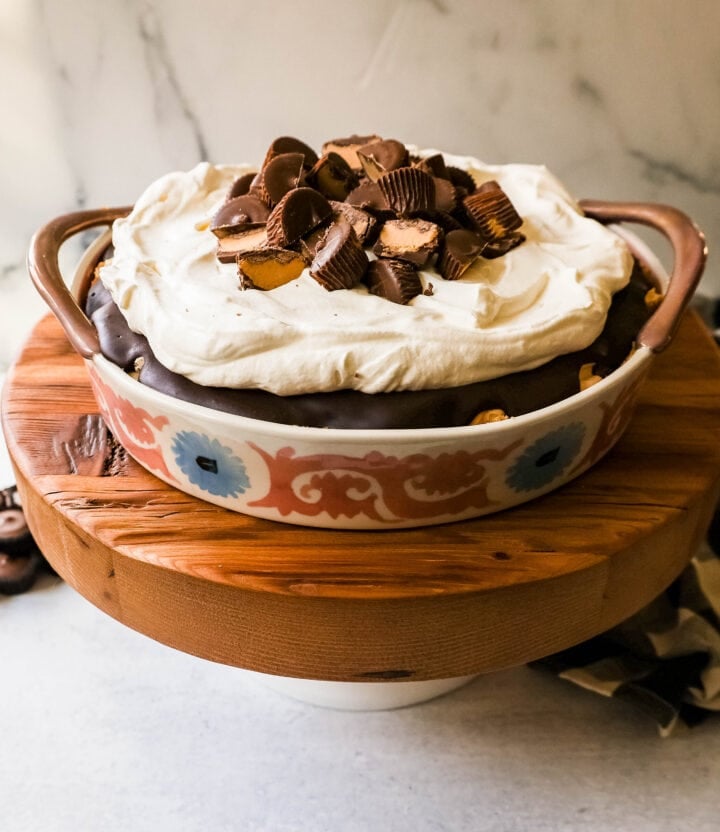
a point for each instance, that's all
(620, 98)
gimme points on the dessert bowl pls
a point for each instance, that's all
(379, 478)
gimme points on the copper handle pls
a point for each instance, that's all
(689, 250)
(45, 272)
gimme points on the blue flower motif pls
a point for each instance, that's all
(209, 465)
(546, 459)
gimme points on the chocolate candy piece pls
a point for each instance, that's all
(445, 195)
(311, 243)
(333, 177)
(289, 144)
(368, 196)
(492, 212)
(239, 214)
(297, 214)
(241, 186)
(496, 248)
(269, 268)
(15, 537)
(365, 224)
(348, 148)
(281, 174)
(461, 249)
(461, 179)
(340, 262)
(434, 165)
(380, 157)
(414, 240)
(395, 280)
(408, 190)
(18, 574)
(251, 240)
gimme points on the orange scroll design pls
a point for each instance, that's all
(384, 488)
(615, 418)
(132, 426)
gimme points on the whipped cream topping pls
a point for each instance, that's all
(547, 297)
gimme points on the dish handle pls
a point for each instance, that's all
(44, 270)
(689, 252)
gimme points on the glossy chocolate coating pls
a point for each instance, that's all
(515, 394)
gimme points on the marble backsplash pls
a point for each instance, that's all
(620, 98)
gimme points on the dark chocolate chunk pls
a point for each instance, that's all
(408, 190)
(414, 240)
(348, 148)
(364, 223)
(289, 144)
(333, 177)
(250, 240)
(281, 174)
(492, 212)
(380, 157)
(269, 268)
(461, 179)
(460, 250)
(340, 262)
(368, 196)
(297, 214)
(395, 280)
(239, 214)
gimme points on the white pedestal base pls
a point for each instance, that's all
(360, 696)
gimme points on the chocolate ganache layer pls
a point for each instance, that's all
(509, 395)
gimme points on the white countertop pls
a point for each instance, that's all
(104, 729)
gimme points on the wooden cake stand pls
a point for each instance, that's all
(419, 604)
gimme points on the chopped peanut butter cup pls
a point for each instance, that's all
(414, 240)
(446, 195)
(408, 190)
(364, 223)
(498, 248)
(251, 240)
(289, 144)
(281, 174)
(492, 212)
(340, 262)
(461, 179)
(333, 177)
(434, 165)
(380, 157)
(460, 250)
(269, 268)
(348, 148)
(239, 214)
(368, 196)
(241, 185)
(297, 214)
(394, 280)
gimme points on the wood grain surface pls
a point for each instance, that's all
(407, 604)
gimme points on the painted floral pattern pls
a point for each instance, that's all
(134, 428)
(209, 465)
(546, 459)
(384, 488)
(615, 418)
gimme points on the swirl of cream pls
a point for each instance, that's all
(547, 297)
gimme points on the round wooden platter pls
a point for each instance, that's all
(416, 604)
